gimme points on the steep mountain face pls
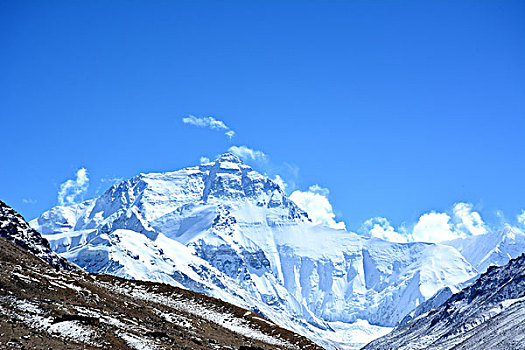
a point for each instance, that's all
(489, 314)
(225, 230)
(493, 248)
(436, 300)
(44, 307)
(14, 228)
(481, 251)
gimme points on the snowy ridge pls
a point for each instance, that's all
(225, 230)
(489, 314)
(481, 251)
(493, 248)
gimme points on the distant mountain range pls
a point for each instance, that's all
(225, 230)
(48, 303)
(489, 314)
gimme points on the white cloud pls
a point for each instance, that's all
(461, 221)
(210, 123)
(72, 191)
(434, 227)
(204, 160)
(316, 204)
(381, 228)
(521, 218)
(466, 220)
(438, 227)
(247, 153)
(29, 201)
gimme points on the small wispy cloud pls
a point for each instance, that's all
(204, 160)
(29, 201)
(247, 153)
(73, 190)
(521, 218)
(210, 123)
(111, 180)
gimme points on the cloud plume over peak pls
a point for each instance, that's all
(73, 190)
(466, 220)
(247, 153)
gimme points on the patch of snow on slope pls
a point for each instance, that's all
(138, 343)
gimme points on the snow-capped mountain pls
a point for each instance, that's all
(492, 248)
(489, 314)
(223, 229)
(14, 228)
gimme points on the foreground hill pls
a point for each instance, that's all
(60, 306)
(490, 314)
(225, 230)
(13, 227)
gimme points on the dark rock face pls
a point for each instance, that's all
(14, 228)
(489, 314)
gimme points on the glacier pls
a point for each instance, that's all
(223, 229)
(492, 248)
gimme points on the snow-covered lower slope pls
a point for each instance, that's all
(223, 229)
(489, 314)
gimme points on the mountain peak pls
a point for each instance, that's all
(228, 157)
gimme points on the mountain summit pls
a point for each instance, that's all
(223, 229)
(228, 157)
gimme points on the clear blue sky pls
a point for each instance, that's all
(398, 107)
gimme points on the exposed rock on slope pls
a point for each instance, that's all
(490, 314)
(13, 227)
(44, 307)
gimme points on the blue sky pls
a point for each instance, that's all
(399, 108)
